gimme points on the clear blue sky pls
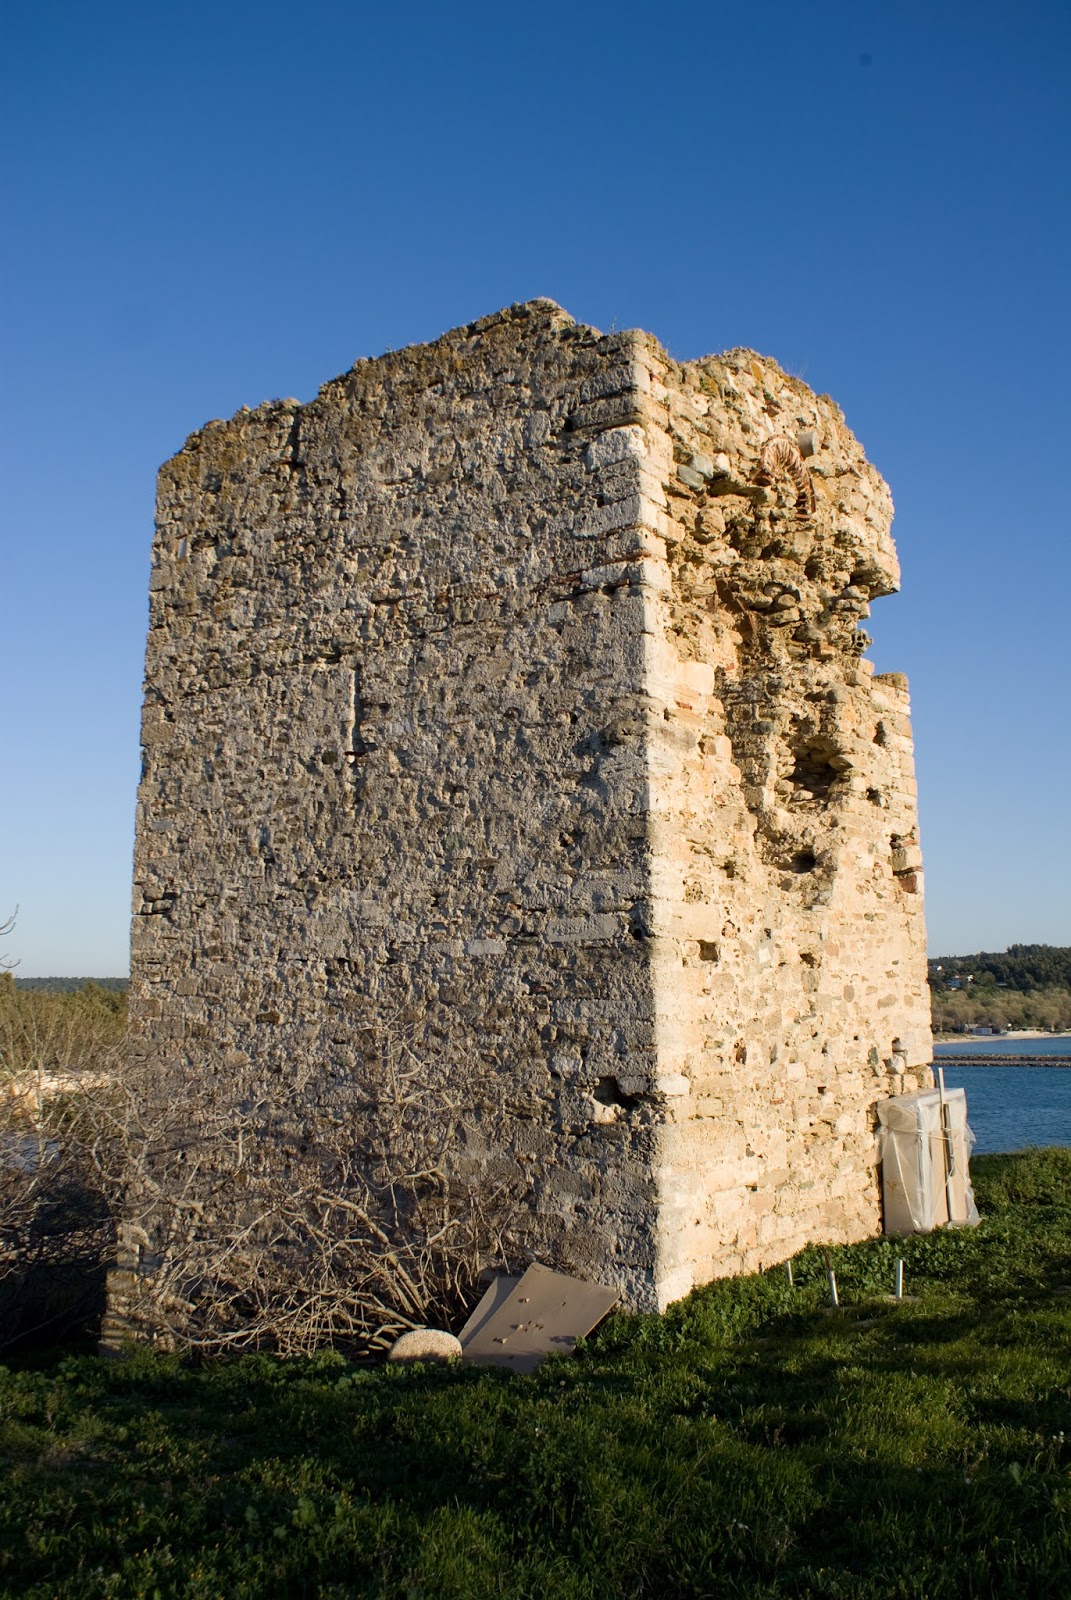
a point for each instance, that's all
(210, 204)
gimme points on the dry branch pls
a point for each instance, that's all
(278, 1225)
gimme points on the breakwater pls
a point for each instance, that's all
(974, 1058)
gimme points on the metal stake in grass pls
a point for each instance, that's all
(948, 1148)
(899, 1289)
(791, 1279)
(834, 1298)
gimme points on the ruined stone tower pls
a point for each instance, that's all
(515, 685)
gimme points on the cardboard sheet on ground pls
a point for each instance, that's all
(521, 1320)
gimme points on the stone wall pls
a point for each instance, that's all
(490, 697)
(789, 957)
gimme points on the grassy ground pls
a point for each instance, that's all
(749, 1443)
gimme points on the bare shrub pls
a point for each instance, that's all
(291, 1222)
(340, 1210)
(58, 1056)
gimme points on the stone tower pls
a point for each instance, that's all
(515, 685)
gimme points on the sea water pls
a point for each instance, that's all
(980, 1044)
(1011, 1107)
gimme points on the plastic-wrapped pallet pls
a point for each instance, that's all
(925, 1154)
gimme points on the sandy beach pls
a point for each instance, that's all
(1012, 1033)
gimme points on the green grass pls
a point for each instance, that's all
(750, 1443)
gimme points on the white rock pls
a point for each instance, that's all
(425, 1344)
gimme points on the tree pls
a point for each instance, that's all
(6, 965)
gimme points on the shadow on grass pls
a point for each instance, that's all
(746, 1444)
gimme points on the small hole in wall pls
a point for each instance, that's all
(813, 775)
(803, 861)
(740, 1053)
(876, 797)
(881, 735)
(709, 950)
(608, 1092)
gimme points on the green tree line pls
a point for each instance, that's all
(1022, 967)
(1025, 986)
(984, 1005)
(70, 985)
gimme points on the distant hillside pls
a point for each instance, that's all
(1022, 967)
(70, 985)
(1025, 986)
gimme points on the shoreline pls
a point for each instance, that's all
(983, 1038)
